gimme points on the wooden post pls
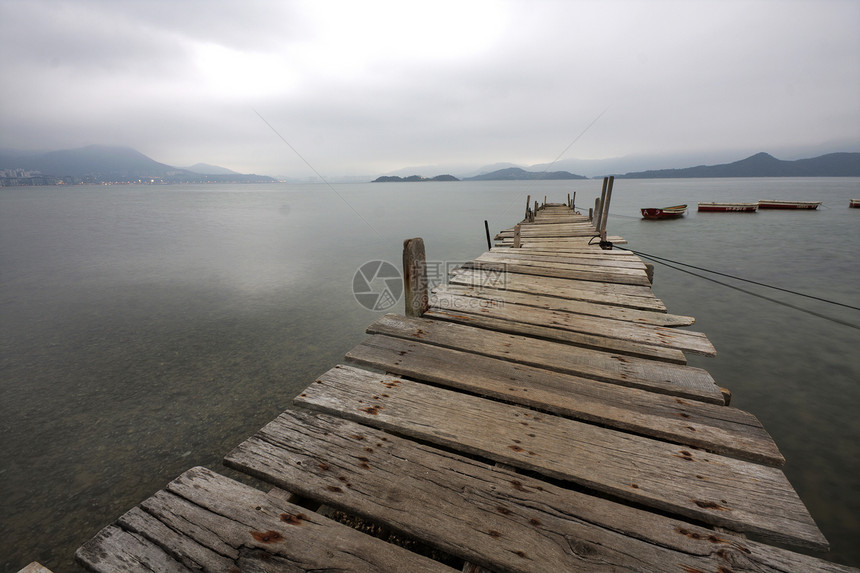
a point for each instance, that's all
(487, 229)
(605, 208)
(536, 206)
(573, 203)
(568, 199)
(598, 209)
(544, 200)
(528, 202)
(516, 236)
(415, 277)
(595, 217)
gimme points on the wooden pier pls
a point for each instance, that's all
(536, 413)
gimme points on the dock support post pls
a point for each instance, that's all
(649, 272)
(573, 202)
(487, 230)
(599, 206)
(415, 277)
(516, 236)
(605, 208)
(528, 203)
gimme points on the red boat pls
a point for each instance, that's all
(664, 213)
(729, 207)
(854, 203)
(770, 204)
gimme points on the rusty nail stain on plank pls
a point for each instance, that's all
(267, 536)
(709, 505)
(293, 519)
(518, 485)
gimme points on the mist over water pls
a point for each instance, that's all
(145, 330)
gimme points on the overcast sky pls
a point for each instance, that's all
(367, 87)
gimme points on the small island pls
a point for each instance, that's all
(411, 178)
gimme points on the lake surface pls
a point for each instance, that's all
(147, 329)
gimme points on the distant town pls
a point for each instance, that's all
(107, 165)
(25, 178)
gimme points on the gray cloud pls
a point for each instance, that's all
(370, 87)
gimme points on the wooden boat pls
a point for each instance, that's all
(729, 207)
(672, 212)
(854, 203)
(771, 204)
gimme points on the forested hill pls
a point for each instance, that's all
(764, 165)
(517, 174)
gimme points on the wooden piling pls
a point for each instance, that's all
(605, 208)
(649, 272)
(415, 277)
(600, 206)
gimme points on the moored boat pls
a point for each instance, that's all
(729, 207)
(854, 203)
(672, 212)
(771, 204)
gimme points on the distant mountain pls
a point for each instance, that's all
(206, 169)
(764, 165)
(412, 178)
(517, 174)
(103, 164)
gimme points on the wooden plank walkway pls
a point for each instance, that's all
(539, 416)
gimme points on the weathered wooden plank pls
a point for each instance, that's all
(681, 381)
(591, 274)
(560, 288)
(717, 429)
(115, 550)
(564, 305)
(610, 267)
(528, 257)
(488, 515)
(597, 286)
(714, 489)
(204, 521)
(589, 251)
(582, 340)
(646, 334)
(562, 242)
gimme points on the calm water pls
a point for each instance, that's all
(144, 330)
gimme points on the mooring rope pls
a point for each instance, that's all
(670, 263)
